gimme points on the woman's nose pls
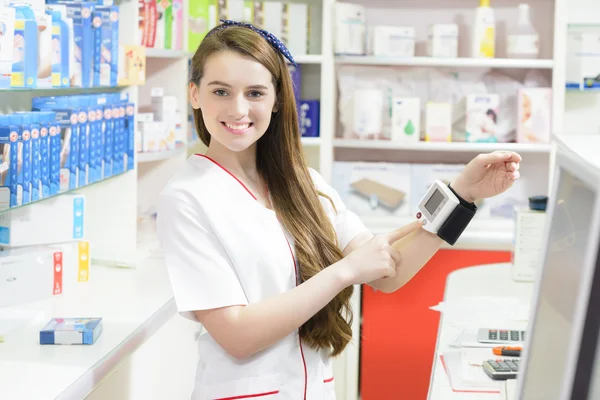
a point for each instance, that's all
(239, 107)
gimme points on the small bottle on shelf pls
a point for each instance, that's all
(483, 43)
(523, 39)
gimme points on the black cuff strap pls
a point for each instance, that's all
(457, 221)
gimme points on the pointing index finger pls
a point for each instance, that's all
(399, 233)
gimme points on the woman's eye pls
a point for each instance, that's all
(255, 94)
(220, 92)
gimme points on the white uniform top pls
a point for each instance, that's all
(223, 248)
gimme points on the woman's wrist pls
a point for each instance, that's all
(462, 190)
(342, 275)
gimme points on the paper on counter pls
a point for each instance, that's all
(483, 311)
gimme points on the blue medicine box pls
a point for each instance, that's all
(309, 111)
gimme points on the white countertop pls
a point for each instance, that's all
(134, 304)
(487, 280)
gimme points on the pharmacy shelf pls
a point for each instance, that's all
(63, 91)
(72, 191)
(165, 53)
(159, 155)
(311, 141)
(133, 303)
(481, 234)
(308, 59)
(446, 62)
(443, 146)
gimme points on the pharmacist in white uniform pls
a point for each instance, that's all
(260, 249)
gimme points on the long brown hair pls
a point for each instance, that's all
(280, 161)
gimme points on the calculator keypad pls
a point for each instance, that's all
(502, 336)
(499, 369)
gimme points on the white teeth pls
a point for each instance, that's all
(238, 127)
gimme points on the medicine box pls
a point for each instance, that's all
(438, 122)
(442, 40)
(534, 122)
(295, 27)
(392, 41)
(55, 220)
(296, 76)
(482, 117)
(373, 189)
(528, 242)
(309, 118)
(7, 16)
(350, 29)
(203, 16)
(68, 331)
(583, 57)
(406, 120)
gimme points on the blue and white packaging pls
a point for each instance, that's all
(7, 30)
(56, 220)
(106, 45)
(67, 44)
(130, 136)
(25, 56)
(8, 165)
(108, 139)
(70, 331)
(24, 157)
(34, 166)
(309, 118)
(80, 104)
(46, 119)
(67, 119)
(119, 141)
(60, 49)
(81, 14)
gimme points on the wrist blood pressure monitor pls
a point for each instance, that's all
(444, 213)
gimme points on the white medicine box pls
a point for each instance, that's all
(391, 41)
(56, 220)
(534, 117)
(350, 29)
(529, 240)
(442, 40)
(373, 189)
(482, 117)
(406, 120)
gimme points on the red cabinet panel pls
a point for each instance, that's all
(399, 330)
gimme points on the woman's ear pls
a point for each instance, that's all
(194, 93)
(275, 106)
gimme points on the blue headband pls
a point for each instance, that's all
(269, 37)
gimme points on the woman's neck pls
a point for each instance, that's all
(240, 163)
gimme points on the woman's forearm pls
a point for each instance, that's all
(416, 250)
(245, 330)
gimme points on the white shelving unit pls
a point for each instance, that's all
(445, 62)
(159, 155)
(442, 147)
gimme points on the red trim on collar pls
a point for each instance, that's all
(226, 170)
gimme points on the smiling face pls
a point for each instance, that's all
(237, 97)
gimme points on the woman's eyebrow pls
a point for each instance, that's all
(220, 83)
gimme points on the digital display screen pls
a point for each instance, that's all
(434, 201)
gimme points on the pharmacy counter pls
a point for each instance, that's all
(134, 304)
(485, 281)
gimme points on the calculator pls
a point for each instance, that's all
(502, 336)
(502, 368)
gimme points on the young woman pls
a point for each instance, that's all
(260, 249)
